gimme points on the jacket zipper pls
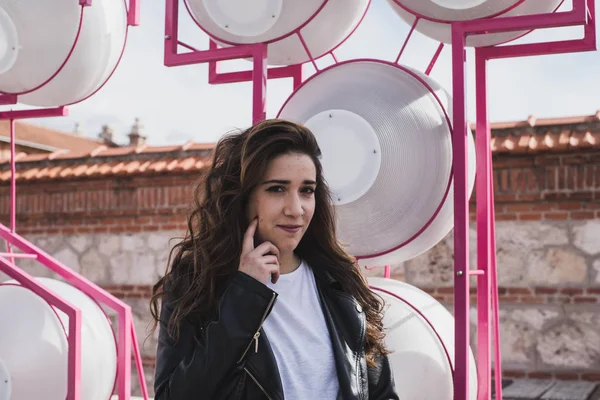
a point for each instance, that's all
(257, 334)
(258, 384)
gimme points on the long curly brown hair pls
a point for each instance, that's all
(203, 263)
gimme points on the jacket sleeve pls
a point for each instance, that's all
(381, 381)
(187, 369)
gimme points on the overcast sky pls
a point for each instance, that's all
(177, 104)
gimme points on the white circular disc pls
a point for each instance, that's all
(441, 225)
(422, 346)
(459, 4)
(74, 66)
(441, 31)
(351, 153)
(98, 346)
(5, 382)
(452, 10)
(9, 42)
(33, 345)
(247, 18)
(323, 24)
(405, 110)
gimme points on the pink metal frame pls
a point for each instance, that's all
(260, 72)
(582, 14)
(126, 335)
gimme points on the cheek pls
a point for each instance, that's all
(309, 209)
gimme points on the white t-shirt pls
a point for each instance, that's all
(298, 334)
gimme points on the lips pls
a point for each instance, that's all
(290, 228)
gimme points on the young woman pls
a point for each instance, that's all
(261, 301)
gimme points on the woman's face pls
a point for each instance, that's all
(284, 201)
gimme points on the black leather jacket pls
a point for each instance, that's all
(235, 360)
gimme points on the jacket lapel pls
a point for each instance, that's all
(346, 324)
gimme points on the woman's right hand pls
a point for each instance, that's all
(262, 262)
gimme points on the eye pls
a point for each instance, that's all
(308, 190)
(275, 189)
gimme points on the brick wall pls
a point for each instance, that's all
(117, 231)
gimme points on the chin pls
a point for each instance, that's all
(286, 245)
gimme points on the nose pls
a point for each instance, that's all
(293, 206)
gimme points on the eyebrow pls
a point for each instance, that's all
(286, 182)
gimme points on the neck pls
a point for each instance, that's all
(288, 262)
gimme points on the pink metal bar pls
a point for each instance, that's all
(216, 77)
(138, 363)
(335, 59)
(434, 59)
(124, 356)
(495, 301)
(13, 177)
(85, 3)
(312, 60)
(8, 99)
(41, 113)
(134, 13)
(476, 272)
(18, 255)
(74, 314)
(461, 217)
(259, 84)
(484, 218)
(387, 272)
(412, 29)
(222, 54)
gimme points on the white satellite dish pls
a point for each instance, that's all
(34, 347)
(386, 143)
(80, 48)
(323, 24)
(437, 16)
(422, 343)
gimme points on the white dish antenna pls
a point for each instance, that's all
(80, 48)
(422, 342)
(439, 14)
(323, 24)
(34, 348)
(385, 135)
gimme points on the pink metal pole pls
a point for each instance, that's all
(461, 217)
(133, 14)
(13, 178)
(495, 300)
(13, 186)
(434, 59)
(259, 84)
(7, 99)
(138, 363)
(484, 222)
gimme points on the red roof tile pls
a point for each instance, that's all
(545, 134)
(48, 137)
(103, 161)
(525, 137)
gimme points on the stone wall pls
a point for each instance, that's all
(549, 275)
(549, 291)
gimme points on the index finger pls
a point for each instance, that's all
(248, 243)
